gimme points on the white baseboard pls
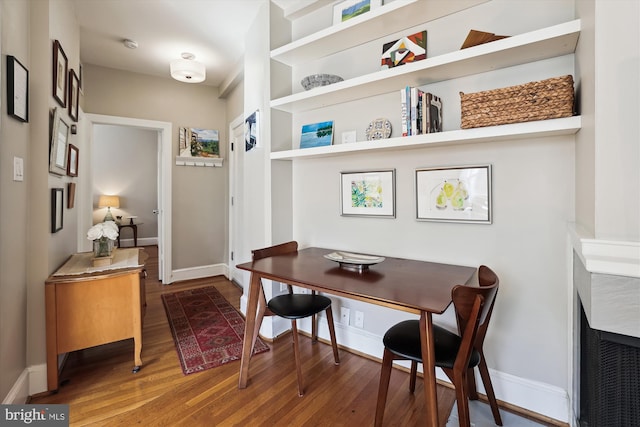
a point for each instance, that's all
(20, 391)
(200, 272)
(540, 398)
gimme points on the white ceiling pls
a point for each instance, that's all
(213, 30)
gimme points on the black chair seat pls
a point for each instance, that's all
(298, 306)
(403, 340)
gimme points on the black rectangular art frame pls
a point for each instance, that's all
(57, 208)
(17, 89)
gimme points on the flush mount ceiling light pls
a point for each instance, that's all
(187, 69)
(131, 44)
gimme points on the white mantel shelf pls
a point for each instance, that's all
(537, 129)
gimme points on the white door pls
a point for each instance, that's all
(236, 150)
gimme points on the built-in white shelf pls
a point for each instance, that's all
(537, 129)
(545, 43)
(385, 20)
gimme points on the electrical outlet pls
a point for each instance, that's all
(344, 315)
(359, 322)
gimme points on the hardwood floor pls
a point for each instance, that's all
(98, 384)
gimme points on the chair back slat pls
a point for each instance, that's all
(281, 249)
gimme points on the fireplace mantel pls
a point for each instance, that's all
(606, 275)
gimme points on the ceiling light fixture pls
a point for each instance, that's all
(131, 44)
(187, 69)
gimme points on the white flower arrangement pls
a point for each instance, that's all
(108, 229)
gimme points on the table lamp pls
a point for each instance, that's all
(109, 202)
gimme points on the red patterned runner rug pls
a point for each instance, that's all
(207, 330)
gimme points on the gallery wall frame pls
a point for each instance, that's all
(71, 195)
(57, 209)
(60, 72)
(58, 150)
(454, 194)
(72, 160)
(17, 89)
(368, 193)
(74, 95)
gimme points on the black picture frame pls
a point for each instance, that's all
(17, 89)
(57, 209)
(60, 73)
(74, 95)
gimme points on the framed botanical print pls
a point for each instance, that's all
(72, 161)
(368, 193)
(57, 208)
(74, 95)
(454, 194)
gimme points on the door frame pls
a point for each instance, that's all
(238, 145)
(164, 130)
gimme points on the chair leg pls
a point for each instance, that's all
(471, 385)
(332, 334)
(488, 387)
(314, 329)
(460, 383)
(383, 387)
(296, 353)
(413, 375)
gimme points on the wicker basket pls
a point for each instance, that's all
(546, 99)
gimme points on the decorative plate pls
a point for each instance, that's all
(378, 129)
(354, 261)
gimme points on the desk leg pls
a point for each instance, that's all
(137, 321)
(428, 365)
(252, 308)
(52, 337)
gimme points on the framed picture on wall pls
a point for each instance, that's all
(368, 193)
(454, 194)
(57, 207)
(74, 95)
(251, 131)
(17, 90)
(60, 72)
(71, 195)
(58, 146)
(72, 161)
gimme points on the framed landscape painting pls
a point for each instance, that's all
(369, 193)
(454, 194)
(317, 135)
(348, 9)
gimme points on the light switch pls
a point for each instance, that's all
(18, 169)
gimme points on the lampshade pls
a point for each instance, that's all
(109, 202)
(187, 69)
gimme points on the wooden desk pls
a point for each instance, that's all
(413, 286)
(90, 309)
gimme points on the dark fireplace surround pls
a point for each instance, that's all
(609, 378)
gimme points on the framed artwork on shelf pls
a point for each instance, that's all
(454, 194)
(251, 131)
(60, 73)
(317, 134)
(71, 195)
(57, 207)
(17, 89)
(348, 9)
(404, 51)
(74, 95)
(58, 147)
(368, 193)
(72, 161)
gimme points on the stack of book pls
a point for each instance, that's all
(421, 112)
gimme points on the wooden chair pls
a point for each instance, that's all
(455, 354)
(294, 306)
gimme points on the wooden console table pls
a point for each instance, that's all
(89, 306)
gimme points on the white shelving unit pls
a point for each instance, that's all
(546, 43)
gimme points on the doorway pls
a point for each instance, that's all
(163, 130)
